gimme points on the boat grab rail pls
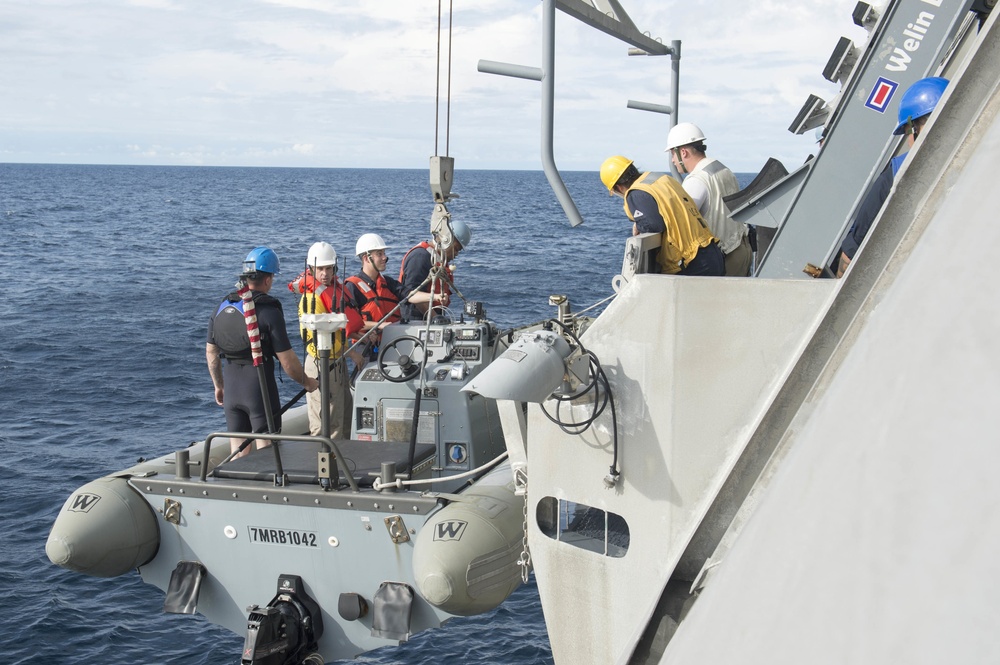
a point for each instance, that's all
(327, 443)
(400, 484)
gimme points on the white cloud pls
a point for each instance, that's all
(155, 4)
(338, 83)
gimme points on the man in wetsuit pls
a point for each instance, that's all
(656, 203)
(418, 264)
(237, 382)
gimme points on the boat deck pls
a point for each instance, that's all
(363, 459)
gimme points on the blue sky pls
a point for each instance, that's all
(351, 83)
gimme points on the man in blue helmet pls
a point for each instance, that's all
(418, 264)
(237, 382)
(915, 108)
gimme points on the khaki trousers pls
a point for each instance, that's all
(341, 403)
(739, 260)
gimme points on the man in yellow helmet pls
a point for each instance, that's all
(656, 203)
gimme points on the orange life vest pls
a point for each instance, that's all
(441, 286)
(379, 301)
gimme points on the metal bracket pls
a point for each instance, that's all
(397, 530)
(441, 227)
(841, 61)
(442, 173)
(327, 471)
(172, 511)
(520, 479)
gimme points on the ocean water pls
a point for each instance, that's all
(110, 274)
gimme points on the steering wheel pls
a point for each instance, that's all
(399, 352)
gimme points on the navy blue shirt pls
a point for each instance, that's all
(870, 207)
(645, 212)
(415, 269)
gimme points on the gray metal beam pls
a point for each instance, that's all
(507, 69)
(910, 42)
(548, 114)
(620, 27)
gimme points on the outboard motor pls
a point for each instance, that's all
(287, 630)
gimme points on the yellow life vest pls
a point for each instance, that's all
(312, 303)
(686, 231)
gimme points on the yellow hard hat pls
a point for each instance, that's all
(612, 169)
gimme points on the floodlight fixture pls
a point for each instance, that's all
(530, 370)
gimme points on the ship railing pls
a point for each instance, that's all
(329, 446)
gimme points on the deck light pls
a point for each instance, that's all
(536, 365)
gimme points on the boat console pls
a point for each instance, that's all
(423, 366)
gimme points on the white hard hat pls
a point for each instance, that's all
(321, 254)
(369, 242)
(684, 133)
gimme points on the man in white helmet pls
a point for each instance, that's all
(376, 293)
(322, 293)
(707, 181)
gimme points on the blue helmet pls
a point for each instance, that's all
(262, 259)
(919, 100)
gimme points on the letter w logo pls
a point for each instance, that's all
(449, 530)
(82, 503)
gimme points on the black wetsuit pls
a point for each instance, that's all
(242, 398)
